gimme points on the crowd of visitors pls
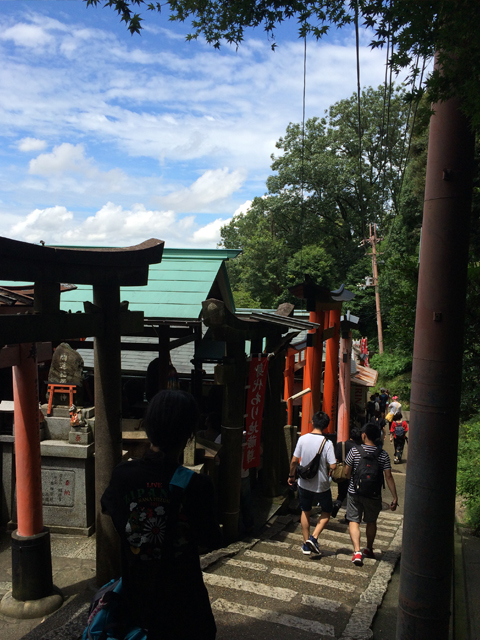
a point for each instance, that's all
(367, 469)
(163, 512)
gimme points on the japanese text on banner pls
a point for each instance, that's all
(257, 378)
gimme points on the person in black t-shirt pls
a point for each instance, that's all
(161, 523)
(355, 438)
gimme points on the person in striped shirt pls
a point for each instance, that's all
(367, 506)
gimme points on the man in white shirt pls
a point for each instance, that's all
(315, 491)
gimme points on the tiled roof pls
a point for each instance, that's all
(176, 286)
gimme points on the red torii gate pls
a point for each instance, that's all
(107, 319)
(325, 309)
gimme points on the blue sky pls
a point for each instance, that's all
(110, 139)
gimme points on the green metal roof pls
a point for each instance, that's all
(176, 286)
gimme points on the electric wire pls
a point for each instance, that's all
(302, 166)
(357, 48)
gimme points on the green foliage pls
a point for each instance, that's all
(390, 365)
(395, 374)
(323, 188)
(468, 471)
(243, 300)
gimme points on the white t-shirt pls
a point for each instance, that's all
(394, 407)
(306, 449)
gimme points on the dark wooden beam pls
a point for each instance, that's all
(20, 328)
(112, 267)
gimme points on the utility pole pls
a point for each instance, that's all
(372, 241)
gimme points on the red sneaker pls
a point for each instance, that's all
(357, 558)
(368, 553)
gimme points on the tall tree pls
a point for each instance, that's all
(327, 183)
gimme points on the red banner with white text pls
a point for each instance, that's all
(257, 380)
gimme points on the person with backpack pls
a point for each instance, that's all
(383, 401)
(163, 512)
(372, 406)
(313, 489)
(398, 434)
(366, 468)
(340, 448)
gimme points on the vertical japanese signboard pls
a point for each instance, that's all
(257, 379)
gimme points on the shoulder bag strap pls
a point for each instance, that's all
(343, 451)
(321, 446)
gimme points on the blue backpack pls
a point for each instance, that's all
(109, 616)
(399, 429)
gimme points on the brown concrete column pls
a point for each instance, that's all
(426, 569)
(108, 425)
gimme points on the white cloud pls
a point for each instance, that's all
(64, 158)
(31, 144)
(67, 168)
(113, 225)
(212, 186)
(243, 208)
(210, 233)
(41, 224)
(27, 35)
(179, 127)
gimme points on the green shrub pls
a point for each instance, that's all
(468, 471)
(391, 365)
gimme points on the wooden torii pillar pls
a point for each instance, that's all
(347, 323)
(232, 375)
(321, 302)
(107, 320)
(330, 379)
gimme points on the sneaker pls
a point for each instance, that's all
(368, 553)
(306, 549)
(312, 543)
(357, 558)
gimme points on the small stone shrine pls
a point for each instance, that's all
(66, 369)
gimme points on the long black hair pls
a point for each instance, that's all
(171, 419)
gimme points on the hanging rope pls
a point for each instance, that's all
(357, 42)
(383, 154)
(413, 121)
(302, 166)
(407, 154)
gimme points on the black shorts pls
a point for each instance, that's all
(309, 499)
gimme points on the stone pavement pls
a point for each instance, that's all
(260, 587)
(264, 587)
(272, 590)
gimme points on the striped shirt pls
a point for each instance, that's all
(354, 457)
